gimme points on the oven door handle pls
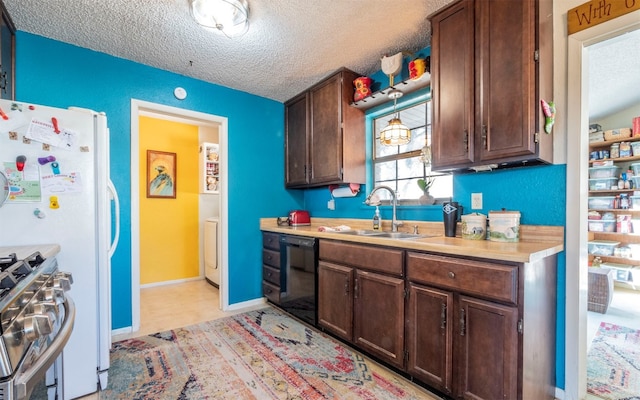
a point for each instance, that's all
(26, 381)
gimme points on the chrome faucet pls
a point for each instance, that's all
(394, 202)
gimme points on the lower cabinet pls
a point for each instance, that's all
(482, 330)
(361, 299)
(474, 329)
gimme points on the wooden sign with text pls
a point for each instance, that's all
(596, 12)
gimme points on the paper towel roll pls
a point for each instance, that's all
(344, 192)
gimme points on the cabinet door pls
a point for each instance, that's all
(486, 350)
(379, 316)
(506, 79)
(429, 336)
(326, 131)
(296, 129)
(452, 83)
(7, 55)
(335, 299)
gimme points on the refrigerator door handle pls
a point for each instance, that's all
(113, 193)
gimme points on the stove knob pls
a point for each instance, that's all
(45, 308)
(36, 326)
(25, 298)
(63, 280)
(54, 294)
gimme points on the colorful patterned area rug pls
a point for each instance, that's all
(262, 354)
(613, 363)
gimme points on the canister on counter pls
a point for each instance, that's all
(474, 226)
(505, 226)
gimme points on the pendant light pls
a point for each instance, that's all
(396, 133)
(225, 17)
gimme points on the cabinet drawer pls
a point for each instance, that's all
(367, 257)
(270, 240)
(271, 275)
(271, 258)
(271, 292)
(493, 281)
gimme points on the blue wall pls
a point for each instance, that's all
(61, 75)
(57, 74)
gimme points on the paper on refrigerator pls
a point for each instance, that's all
(45, 132)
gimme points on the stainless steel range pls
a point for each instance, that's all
(36, 320)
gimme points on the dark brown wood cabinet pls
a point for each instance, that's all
(361, 297)
(271, 277)
(324, 136)
(7, 55)
(491, 63)
(482, 330)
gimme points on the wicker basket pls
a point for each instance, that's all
(600, 289)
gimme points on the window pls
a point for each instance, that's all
(400, 167)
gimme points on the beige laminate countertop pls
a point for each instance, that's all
(536, 241)
(47, 250)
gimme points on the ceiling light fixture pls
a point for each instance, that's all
(395, 134)
(226, 17)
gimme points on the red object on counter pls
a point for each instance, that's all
(20, 160)
(54, 121)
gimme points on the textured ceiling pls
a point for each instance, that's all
(290, 45)
(614, 76)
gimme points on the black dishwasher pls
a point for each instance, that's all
(299, 270)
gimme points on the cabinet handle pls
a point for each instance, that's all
(269, 274)
(443, 316)
(466, 141)
(484, 136)
(346, 286)
(269, 257)
(463, 322)
(355, 288)
(451, 275)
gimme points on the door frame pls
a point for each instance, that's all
(144, 108)
(577, 194)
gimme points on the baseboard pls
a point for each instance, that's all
(246, 304)
(165, 283)
(120, 331)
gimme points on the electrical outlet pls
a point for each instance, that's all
(331, 204)
(476, 201)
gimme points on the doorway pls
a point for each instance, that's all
(577, 194)
(140, 108)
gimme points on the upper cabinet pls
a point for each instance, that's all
(7, 55)
(324, 136)
(491, 63)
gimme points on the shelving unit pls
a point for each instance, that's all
(209, 168)
(625, 239)
(382, 96)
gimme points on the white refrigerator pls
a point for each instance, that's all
(57, 164)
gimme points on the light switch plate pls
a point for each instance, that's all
(476, 201)
(331, 204)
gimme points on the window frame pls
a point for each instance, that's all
(385, 112)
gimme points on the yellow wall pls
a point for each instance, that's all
(169, 227)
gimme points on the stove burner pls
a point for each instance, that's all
(9, 260)
(13, 270)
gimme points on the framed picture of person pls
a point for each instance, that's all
(161, 174)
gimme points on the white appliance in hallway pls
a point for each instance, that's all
(211, 264)
(57, 164)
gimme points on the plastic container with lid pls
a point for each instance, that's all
(504, 226)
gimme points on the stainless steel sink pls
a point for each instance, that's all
(382, 234)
